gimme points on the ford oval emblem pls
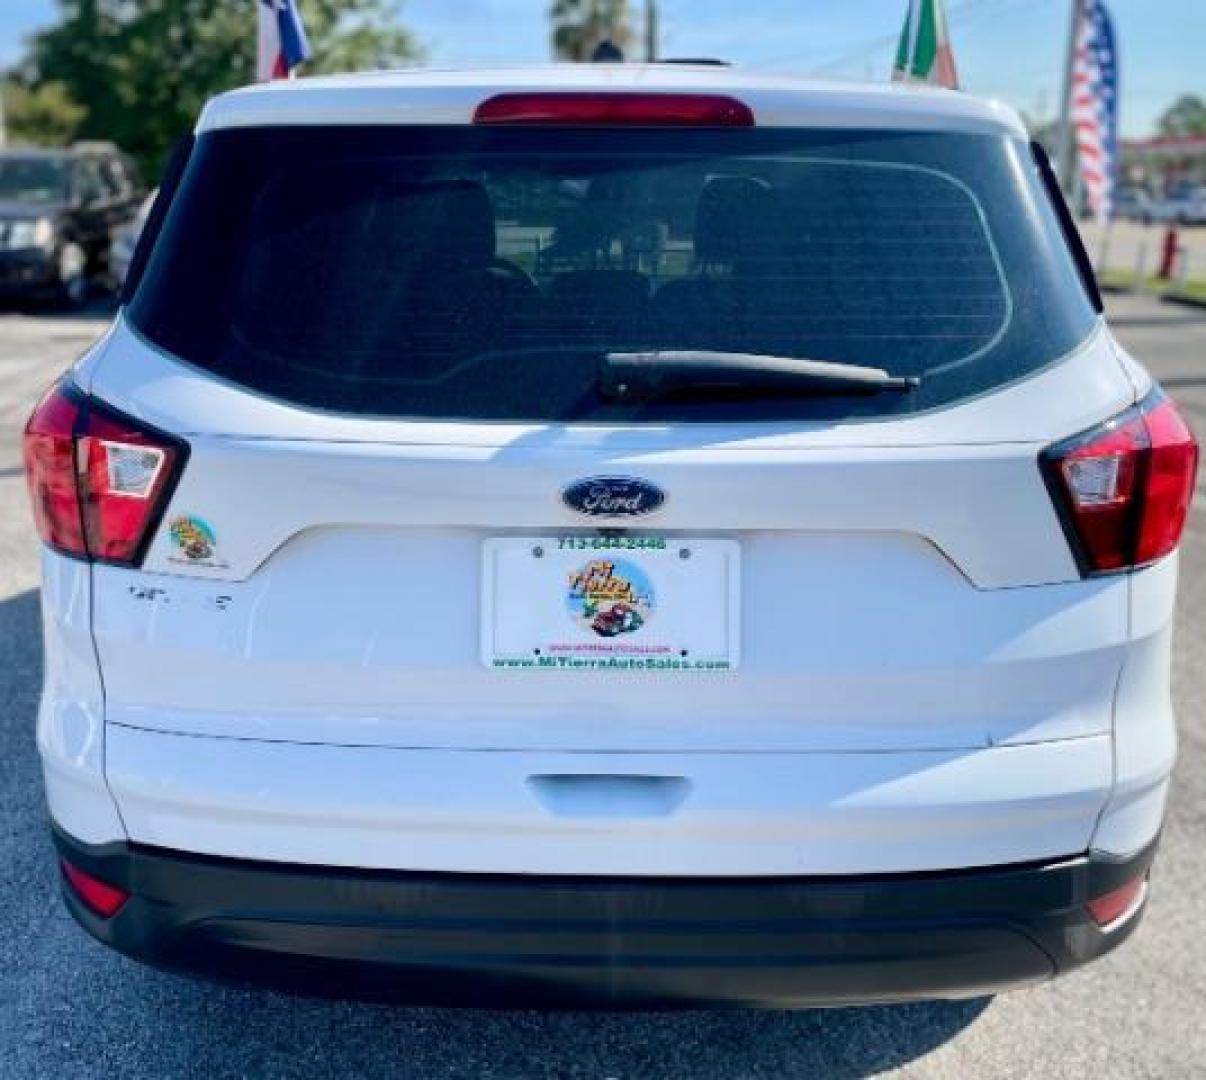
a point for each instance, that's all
(613, 496)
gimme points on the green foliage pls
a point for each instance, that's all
(578, 26)
(44, 116)
(1185, 116)
(142, 69)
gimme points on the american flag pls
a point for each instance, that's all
(1095, 105)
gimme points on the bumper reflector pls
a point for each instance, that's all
(105, 900)
(1116, 905)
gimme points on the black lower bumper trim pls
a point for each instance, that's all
(495, 940)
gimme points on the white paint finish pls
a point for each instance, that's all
(1132, 819)
(1137, 373)
(427, 96)
(82, 369)
(71, 721)
(1145, 734)
(80, 803)
(867, 641)
(756, 814)
(995, 521)
(72, 727)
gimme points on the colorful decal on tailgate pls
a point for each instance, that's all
(195, 539)
(610, 597)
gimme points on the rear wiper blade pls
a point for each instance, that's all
(636, 375)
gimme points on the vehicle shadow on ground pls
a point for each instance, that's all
(69, 1003)
(264, 1033)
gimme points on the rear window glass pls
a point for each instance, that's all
(482, 274)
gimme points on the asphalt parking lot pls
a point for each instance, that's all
(68, 1007)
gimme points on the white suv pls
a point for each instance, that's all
(631, 534)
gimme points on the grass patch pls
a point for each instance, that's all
(1113, 278)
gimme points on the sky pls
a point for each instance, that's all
(1010, 49)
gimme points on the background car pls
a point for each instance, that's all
(1132, 204)
(59, 212)
(1183, 206)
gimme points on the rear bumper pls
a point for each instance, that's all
(493, 940)
(604, 814)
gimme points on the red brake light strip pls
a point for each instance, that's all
(603, 109)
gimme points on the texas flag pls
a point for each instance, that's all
(283, 43)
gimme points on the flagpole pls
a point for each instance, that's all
(914, 33)
(651, 30)
(1065, 153)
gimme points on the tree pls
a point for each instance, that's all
(45, 116)
(578, 26)
(1185, 116)
(143, 68)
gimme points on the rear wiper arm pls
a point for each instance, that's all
(636, 375)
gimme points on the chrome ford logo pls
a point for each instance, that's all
(613, 496)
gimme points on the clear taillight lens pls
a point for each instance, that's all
(99, 480)
(1124, 488)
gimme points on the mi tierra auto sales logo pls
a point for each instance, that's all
(610, 597)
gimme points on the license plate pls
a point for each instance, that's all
(610, 603)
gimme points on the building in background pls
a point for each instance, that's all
(1165, 163)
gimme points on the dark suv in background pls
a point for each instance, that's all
(59, 212)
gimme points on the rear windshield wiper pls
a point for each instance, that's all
(637, 375)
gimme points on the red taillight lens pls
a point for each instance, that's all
(50, 469)
(1171, 475)
(1118, 902)
(99, 480)
(104, 899)
(577, 109)
(1125, 487)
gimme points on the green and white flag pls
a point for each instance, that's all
(924, 55)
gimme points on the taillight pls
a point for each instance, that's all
(50, 469)
(104, 899)
(590, 109)
(1124, 488)
(99, 480)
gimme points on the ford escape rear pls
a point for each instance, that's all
(623, 535)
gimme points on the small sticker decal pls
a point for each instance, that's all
(150, 594)
(610, 597)
(195, 540)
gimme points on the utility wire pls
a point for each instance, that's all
(960, 14)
